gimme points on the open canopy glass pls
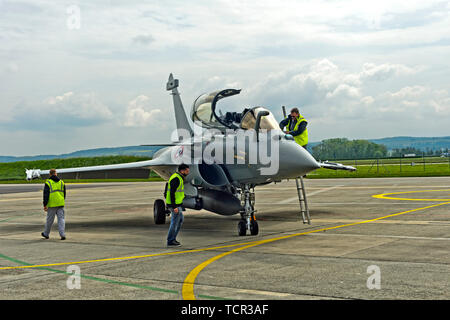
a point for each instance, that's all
(204, 111)
(267, 122)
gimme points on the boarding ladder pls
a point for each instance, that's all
(301, 191)
(302, 200)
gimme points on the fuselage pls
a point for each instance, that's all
(245, 158)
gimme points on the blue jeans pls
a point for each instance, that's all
(175, 224)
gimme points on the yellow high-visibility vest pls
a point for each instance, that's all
(301, 139)
(179, 193)
(56, 198)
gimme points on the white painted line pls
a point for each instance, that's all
(266, 293)
(289, 200)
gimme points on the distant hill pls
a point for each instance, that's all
(140, 151)
(421, 143)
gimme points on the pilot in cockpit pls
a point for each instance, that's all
(295, 125)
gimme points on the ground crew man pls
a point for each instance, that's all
(54, 201)
(174, 201)
(295, 125)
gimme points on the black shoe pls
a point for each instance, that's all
(173, 244)
(176, 242)
(42, 234)
(63, 238)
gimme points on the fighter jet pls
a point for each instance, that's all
(229, 155)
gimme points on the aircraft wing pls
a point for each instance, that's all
(163, 162)
(336, 166)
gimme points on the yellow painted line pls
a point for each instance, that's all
(188, 284)
(125, 258)
(385, 195)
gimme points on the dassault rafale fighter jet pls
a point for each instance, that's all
(228, 154)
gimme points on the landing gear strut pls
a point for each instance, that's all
(248, 221)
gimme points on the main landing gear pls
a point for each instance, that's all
(160, 212)
(248, 220)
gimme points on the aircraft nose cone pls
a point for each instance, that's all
(296, 161)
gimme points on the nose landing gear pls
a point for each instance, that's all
(248, 221)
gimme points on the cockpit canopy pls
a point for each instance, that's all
(204, 111)
(267, 122)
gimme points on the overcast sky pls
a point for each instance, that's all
(85, 74)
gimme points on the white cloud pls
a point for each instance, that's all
(330, 96)
(322, 86)
(384, 71)
(410, 92)
(79, 106)
(367, 100)
(344, 90)
(68, 109)
(140, 113)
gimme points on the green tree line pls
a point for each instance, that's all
(342, 148)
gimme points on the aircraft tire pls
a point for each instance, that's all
(159, 211)
(242, 228)
(254, 229)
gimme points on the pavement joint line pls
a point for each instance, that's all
(15, 199)
(188, 285)
(274, 293)
(21, 216)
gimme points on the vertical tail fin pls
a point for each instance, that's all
(180, 114)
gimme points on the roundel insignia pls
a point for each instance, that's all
(179, 152)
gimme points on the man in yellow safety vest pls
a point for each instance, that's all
(54, 202)
(295, 125)
(174, 201)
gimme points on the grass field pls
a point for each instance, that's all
(14, 172)
(385, 170)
